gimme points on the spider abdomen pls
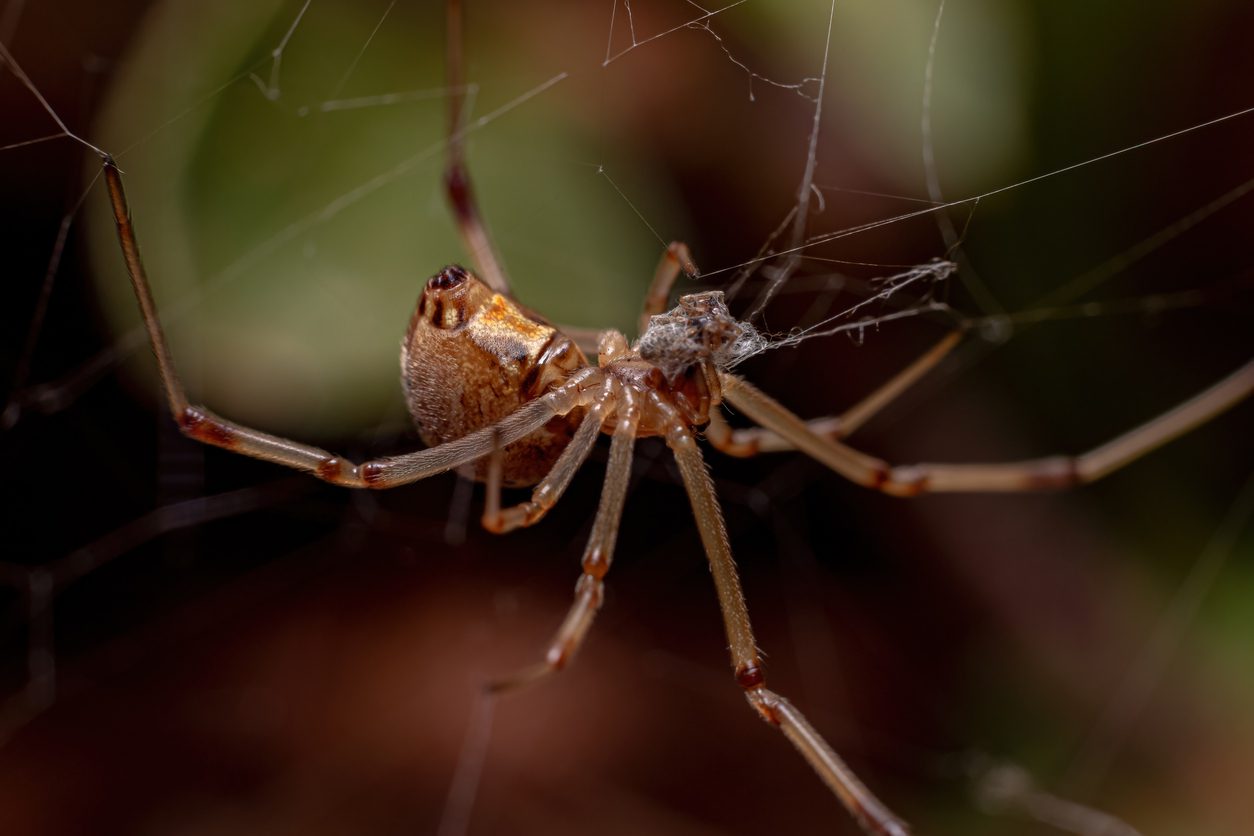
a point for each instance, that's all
(471, 357)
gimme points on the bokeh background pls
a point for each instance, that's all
(196, 644)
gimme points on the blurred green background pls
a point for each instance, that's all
(289, 657)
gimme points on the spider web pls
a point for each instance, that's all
(283, 163)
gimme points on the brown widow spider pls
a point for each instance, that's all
(495, 388)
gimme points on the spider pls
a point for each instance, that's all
(498, 391)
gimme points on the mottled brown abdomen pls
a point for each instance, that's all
(471, 357)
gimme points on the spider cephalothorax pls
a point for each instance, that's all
(700, 329)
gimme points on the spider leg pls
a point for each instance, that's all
(457, 183)
(1033, 474)
(869, 811)
(673, 260)
(598, 553)
(202, 425)
(545, 495)
(754, 440)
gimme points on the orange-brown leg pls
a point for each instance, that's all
(457, 185)
(1033, 474)
(545, 495)
(754, 440)
(201, 424)
(675, 259)
(873, 816)
(597, 556)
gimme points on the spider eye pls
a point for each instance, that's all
(449, 277)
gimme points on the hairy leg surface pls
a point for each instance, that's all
(873, 816)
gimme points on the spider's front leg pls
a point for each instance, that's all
(199, 423)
